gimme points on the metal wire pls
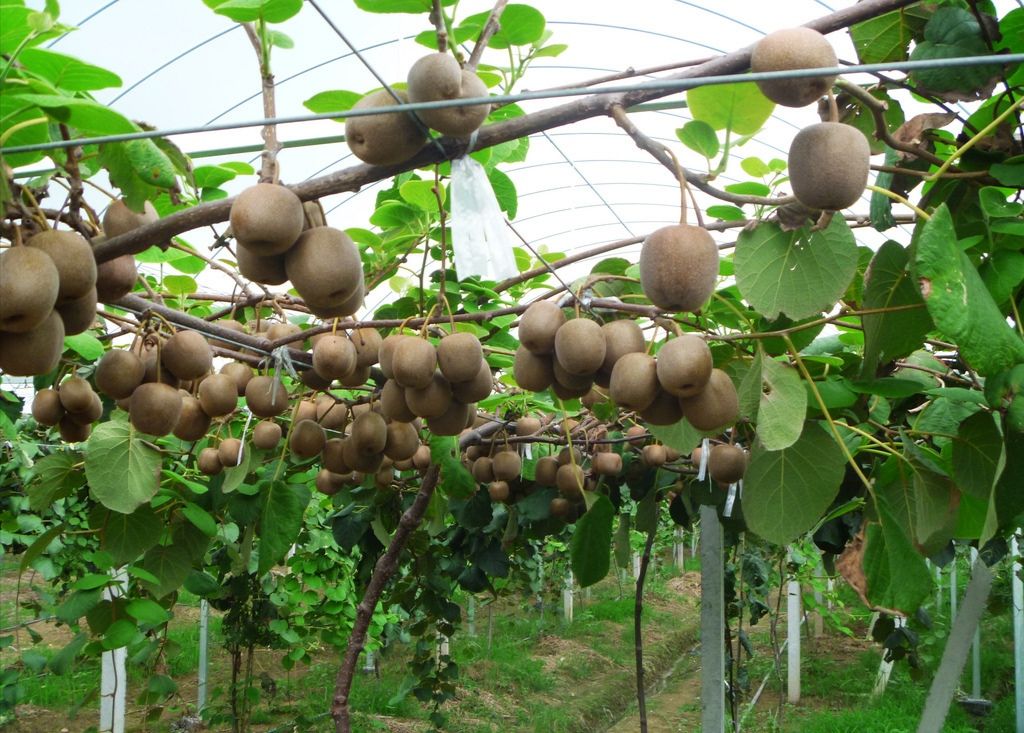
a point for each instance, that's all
(666, 85)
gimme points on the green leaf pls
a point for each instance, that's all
(786, 492)
(180, 284)
(888, 283)
(136, 191)
(590, 547)
(681, 436)
(67, 72)
(281, 513)
(504, 191)
(421, 195)
(739, 107)
(700, 137)
(1008, 499)
(622, 548)
(782, 403)
(520, 25)
(122, 470)
(85, 345)
(86, 116)
(200, 518)
(334, 100)
(647, 513)
(725, 212)
(234, 477)
(921, 500)
(126, 536)
(396, 6)
(120, 633)
(54, 477)
(977, 450)
(148, 612)
(171, 564)
(959, 303)
(150, 163)
(950, 33)
(39, 546)
(800, 273)
(896, 576)
(247, 11)
(887, 37)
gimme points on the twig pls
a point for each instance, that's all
(491, 27)
(271, 146)
(74, 179)
(437, 18)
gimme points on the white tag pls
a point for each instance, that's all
(705, 448)
(528, 450)
(480, 239)
(729, 501)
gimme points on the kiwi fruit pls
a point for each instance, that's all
(564, 392)
(333, 456)
(793, 48)
(72, 256)
(570, 480)
(75, 394)
(307, 438)
(594, 396)
(561, 508)
(637, 435)
(477, 388)
(386, 353)
(383, 139)
(331, 413)
(345, 307)
(118, 219)
(115, 278)
(263, 269)
(431, 401)
(384, 475)
(634, 383)
(329, 483)
(29, 284)
(607, 464)
(716, 407)
(665, 410)
(414, 362)
(231, 325)
(483, 469)
(437, 77)
(304, 410)
(266, 396)
(218, 394)
(653, 455)
(527, 425)
(364, 462)
(454, 420)
(679, 267)
(621, 337)
(325, 268)
(357, 378)
(266, 435)
(154, 408)
(187, 355)
(538, 326)
(314, 381)
(507, 465)
(695, 455)
(277, 331)
(531, 371)
(240, 373)
(46, 407)
(72, 431)
(829, 164)
(459, 356)
(684, 365)
(78, 315)
(569, 455)
(580, 346)
(499, 491)
(230, 452)
(402, 441)
(546, 471)
(671, 454)
(90, 414)
(208, 462)
(34, 352)
(727, 463)
(393, 403)
(267, 219)
(367, 343)
(334, 357)
(421, 458)
(193, 422)
(369, 433)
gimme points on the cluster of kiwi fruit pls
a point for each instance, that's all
(275, 245)
(72, 407)
(727, 462)
(392, 137)
(828, 161)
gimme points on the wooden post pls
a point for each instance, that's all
(204, 646)
(113, 675)
(712, 622)
(793, 619)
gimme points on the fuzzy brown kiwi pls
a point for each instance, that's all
(278, 330)
(266, 435)
(115, 278)
(72, 255)
(507, 465)
(386, 353)
(653, 455)
(367, 343)
(727, 463)
(334, 357)
(453, 421)
(90, 414)
(314, 381)
(695, 455)
(187, 355)
(325, 268)
(305, 410)
(421, 458)
(679, 267)
(527, 425)
(499, 491)
(538, 326)
(154, 408)
(594, 396)
(263, 269)
(307, 438)
(118, 219)
(393, 403)
(431, 401)
(329, 483)
(193, 422)
(75, 394)
(665, 410)
(218, 394)
(78, 315)
(788, 49)
(33, 352)
(267, 219)
(208, 462)
(414, 362)
(570, 381)
(369, 433)
(266, 396)
(331, 413)
(477, 388)
(607, 464)
(231, 325)
(637, 435)
(560, 508)
(46, 407)
(483, 469)
(459, 356)
(29, 284)
(622, 337)
(333, 456)
(566, 456)
(570, 480)
(230, 452)
(580, 346)
(571, 393)
(383, 139)
(359, 377)
(531, 371)
(684, 365)
(829, 164)
(72, 431)
(384, 475)
(634, 383)
(437, 77)
(717, 406)
(240, 373)
(402, 441)
(546, 471)
(362, 462)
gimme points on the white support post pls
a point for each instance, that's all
(679, 549)
(1018, 633)
(204, 645)
(884, 669)
(793, 619)
(113, 675)
(712, 622)
(953, 592)
(636, 565)
(443, 646)
(567, 598)
(830, 586)
(369, 663)
(976, 648)
(938, 589)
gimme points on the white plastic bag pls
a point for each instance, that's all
(480, 238)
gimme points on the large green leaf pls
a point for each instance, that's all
(248, 11)
(590, 547)
(799, 273)
(282, 507)
(123, 471)
(455, 480)
(67, 72)
(959, 303)
(922, 501)
(681, 436)
(126, 536)
(1008, 498)
(896, 576)
(86, 116)
(170, 564)
(786, 492)
(977, 451)
(774, 395)
(952, 32)
(889, 284)
(740, 107)
(54, 477)
(888, 37)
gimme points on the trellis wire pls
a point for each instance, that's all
(668, 85)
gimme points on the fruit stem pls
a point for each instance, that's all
(921, 213)
(833, 108)
(983, 132)
(681, 178)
